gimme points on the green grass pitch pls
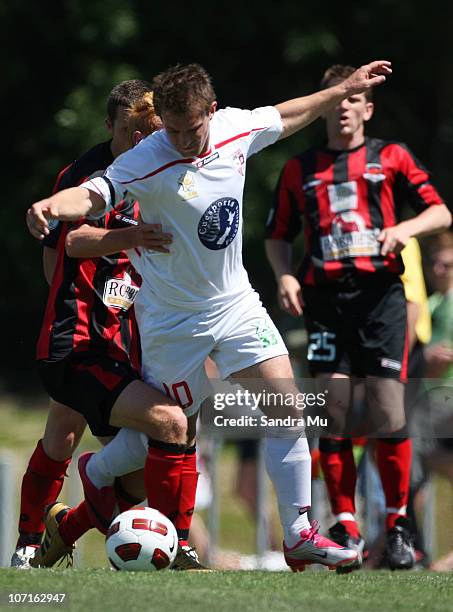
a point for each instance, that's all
(102, 589)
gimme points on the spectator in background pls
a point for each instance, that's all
(436, 454)
(439, 353)
(419, 334)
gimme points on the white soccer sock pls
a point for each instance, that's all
(124, 454)
(288, 464)
(345, 516)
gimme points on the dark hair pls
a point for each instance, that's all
(183, 88)
(125, 94)
(338, 73)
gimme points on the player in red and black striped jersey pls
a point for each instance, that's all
(349, 196)
(88, 308)
(88, 350)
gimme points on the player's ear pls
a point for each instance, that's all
(136, 137)
(109, 124)
(369, 110)
(212, 109)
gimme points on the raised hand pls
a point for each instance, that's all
(367, 76)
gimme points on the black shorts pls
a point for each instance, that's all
(358, 330)
(89, 384)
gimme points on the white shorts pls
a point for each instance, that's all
(175, 345)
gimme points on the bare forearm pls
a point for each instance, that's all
(66, 205)
(432, 220)
(300, 112)
(73, 203)
(88, 241)
(279, 254)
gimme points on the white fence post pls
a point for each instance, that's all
(262, 505)
(213, 512)
(7, 491)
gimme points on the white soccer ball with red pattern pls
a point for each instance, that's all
(141, 539)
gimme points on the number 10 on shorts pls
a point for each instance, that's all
(180, 392)
(321, 348)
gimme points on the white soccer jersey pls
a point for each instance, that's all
(198, 200)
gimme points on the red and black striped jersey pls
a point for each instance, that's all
(343, 199)
(90, 303)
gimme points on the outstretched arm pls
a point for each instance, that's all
(89, 241)
(66, 205)
(300, 112)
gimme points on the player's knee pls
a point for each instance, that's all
(60, 448)
(169, 424)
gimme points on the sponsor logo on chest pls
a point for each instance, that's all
(206, 160)
(219, 224)
(120, 292)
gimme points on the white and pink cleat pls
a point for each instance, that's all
(315, 548)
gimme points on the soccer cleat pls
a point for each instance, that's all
(22, 555)
(339, 534)
(187, 560)
(101, 503)
(53, 548)
(315, 548)
(399, 548)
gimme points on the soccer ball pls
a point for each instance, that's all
(141, 539)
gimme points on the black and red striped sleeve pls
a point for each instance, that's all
(284, 221)
(413, 181)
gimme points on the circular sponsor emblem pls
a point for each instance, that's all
(219, 224)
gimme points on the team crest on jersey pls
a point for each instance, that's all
(187, 187)
(239, 161)
(374, 173)
(120, 292)
(219, 224)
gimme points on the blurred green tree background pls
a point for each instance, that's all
(61, 58)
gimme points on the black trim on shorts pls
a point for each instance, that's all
(357, 328)
(89, 384)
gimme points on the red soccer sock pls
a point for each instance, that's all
(393, 458)
(75, 523)
(338, 466)
(187, 494)
(352, 528)
(41, 485)
(163, 469)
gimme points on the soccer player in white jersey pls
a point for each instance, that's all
(197, 301)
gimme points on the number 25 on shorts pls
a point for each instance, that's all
(321, 348)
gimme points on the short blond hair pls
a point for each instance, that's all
(142, 116)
